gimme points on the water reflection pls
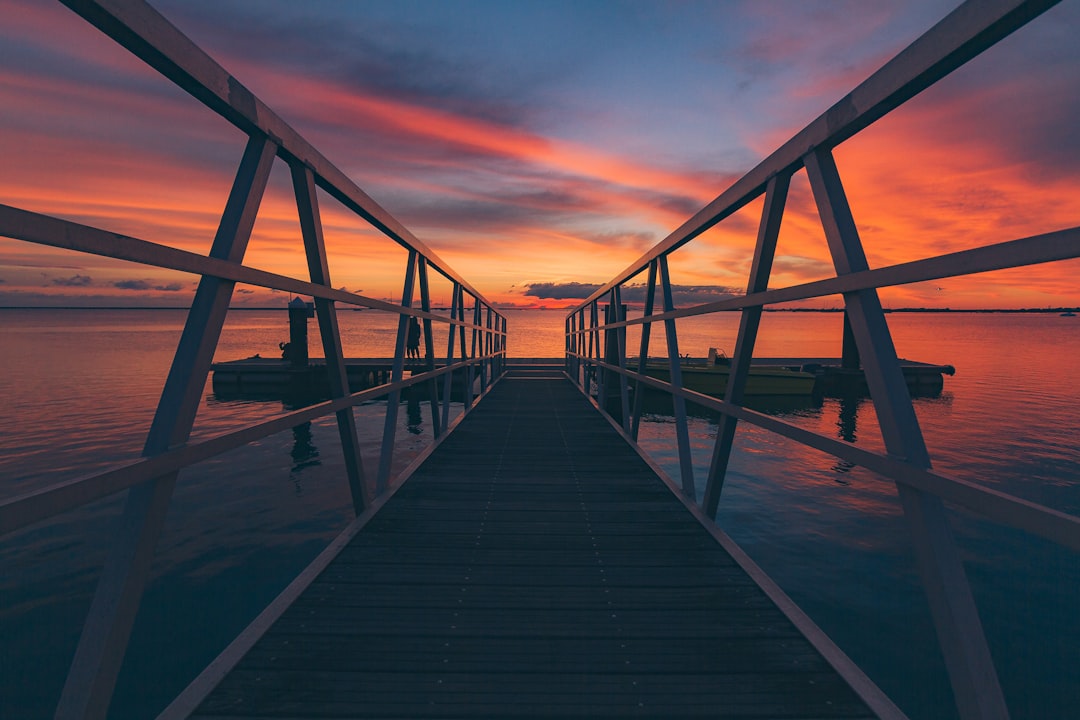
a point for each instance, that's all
(657, 402)
(846, 421)
(304, 453)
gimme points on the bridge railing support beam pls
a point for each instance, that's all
(682, 431)
(448, 379)
(429, 349)
(614, 399)
(103, 643)
(956, 619)
(749, 322)
(168, 450)
(963, 34)
(643, 351)
(307, 204)
(393, 400)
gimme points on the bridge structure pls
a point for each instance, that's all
(534, 560)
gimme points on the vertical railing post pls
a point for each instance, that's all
(682, 432)
(495, 340)
(429, 348)
(579, 346)
(475, 341)
(503, 345)
(574, 346)
(768, 232)
(478, 344)
(587, 341)
(571, 347)
(448, 378)
(603, 345)
(386, 453)
(594, 346)
(568, 335)
(489, 343)
(103, 643)
(620, 349)
(500, 344)
(643, 353)
(956, 619)
(581, 368)
(307, 203)
(470, 371)
(463, 350)
(493, 323)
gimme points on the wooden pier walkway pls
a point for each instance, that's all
(534, 565)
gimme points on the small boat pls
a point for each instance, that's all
(711, 377)
(1068, 313)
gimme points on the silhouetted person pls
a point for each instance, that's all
(412, 346)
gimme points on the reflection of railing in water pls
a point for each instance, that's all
(597, 356)
(144, 32)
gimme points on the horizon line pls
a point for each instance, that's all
(1062, 308)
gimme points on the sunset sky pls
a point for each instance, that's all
(538, 147)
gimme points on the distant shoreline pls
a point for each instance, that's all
(1042, 311)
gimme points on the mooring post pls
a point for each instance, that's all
(299, 312)
(849, 351)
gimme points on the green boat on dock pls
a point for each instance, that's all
(793, 377)
(712, 379)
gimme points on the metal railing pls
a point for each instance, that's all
(167, 450)
(597, 356)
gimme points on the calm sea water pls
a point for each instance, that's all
(80, 387)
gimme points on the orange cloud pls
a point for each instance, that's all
(157, 190)
(947, 173)
(350, 109)
(962, 166)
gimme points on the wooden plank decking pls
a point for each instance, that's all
(533, 566)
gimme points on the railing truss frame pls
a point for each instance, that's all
(149, 481)
(962, 35)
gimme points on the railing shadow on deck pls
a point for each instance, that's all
(600, 363)
(475, 339)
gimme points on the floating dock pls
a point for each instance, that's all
(257, 376)
(274, 378)
(832, 378)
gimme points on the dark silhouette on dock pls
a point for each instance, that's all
(412, 345)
